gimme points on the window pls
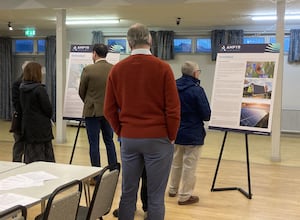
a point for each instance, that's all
(24, 46)
(254, 40)
(41, 46)
(29, 46)
(183, 45)
(286, 43)
(203, 45)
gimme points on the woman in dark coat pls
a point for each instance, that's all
(36, 115)
(18, 147)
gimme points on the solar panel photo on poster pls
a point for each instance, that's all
(251, 117)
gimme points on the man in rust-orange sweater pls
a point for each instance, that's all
(143, 107)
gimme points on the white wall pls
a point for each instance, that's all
(291, 86)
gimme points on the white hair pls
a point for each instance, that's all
(189, 67)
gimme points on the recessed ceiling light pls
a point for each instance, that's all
(274, 17)
(93, 21)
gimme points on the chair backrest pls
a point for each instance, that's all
(17, 212)
(64, 202)
(104, 192)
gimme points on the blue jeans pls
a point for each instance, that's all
(155, 154)
(93, 127)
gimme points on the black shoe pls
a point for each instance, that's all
(172, 194)
(116, 213)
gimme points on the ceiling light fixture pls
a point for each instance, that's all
(178, 21)
(274, 17)
(9, 26)
(90, 21)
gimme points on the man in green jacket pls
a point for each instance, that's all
(92, 91)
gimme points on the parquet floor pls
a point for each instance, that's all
(274, 185)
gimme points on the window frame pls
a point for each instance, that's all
(196, 45)
(184, 38)
(35, 50)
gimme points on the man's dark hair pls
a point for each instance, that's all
(100, 49)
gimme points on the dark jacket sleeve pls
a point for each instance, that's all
(83, 85)
(44, 100)
(16, 96)
(203, 105)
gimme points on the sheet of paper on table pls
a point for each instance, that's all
(25, 180)
(8, 200)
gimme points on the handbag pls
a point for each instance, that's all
(16, 123)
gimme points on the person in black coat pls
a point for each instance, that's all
(18, 148)
(36, 116)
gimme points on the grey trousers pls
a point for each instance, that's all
(156, 154)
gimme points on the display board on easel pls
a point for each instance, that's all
(243, 95)
(80, 56)
(244, 87)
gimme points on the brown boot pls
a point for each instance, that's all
(191, 200)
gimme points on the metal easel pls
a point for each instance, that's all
(247, 194)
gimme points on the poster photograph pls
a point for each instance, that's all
(244, 89)
(255, 115)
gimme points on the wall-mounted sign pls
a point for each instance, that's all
(29, 32)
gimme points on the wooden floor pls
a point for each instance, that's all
(274, 185)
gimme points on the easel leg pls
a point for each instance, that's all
(248, 167)
(77, 133)
(219, 160)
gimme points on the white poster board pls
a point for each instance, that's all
(244, 88)
(80, 56)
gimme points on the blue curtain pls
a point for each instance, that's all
(97, 37)
(50, 64)
(154, 43)
(235, 36)
(217, 39)
(6, 79)
(294, 51)
(220, 37)
(165, 45)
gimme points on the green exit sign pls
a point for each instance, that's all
(30, 32)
